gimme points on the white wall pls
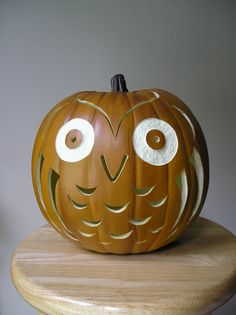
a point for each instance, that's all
(52, 48)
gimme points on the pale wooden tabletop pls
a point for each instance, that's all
(192, 276)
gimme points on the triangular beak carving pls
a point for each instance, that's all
(119, 171)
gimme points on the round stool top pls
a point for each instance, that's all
(192, 276)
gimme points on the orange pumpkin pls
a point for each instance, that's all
(120, 172)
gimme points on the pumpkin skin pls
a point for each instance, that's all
(142, 174)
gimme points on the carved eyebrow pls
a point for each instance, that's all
(131, 110)
(125, 114)
(99, 109)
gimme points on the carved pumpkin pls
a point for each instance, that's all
(120, 172)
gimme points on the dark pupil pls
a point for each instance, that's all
(156, 139)
(73, 139)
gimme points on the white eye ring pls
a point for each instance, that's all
(145, 152)
(86, 145)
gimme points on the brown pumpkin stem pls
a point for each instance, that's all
(118, 83)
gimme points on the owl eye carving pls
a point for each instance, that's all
(155, 141)
(75, 140)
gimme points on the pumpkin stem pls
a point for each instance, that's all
(118, 83)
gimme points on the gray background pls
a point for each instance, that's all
(51, 49)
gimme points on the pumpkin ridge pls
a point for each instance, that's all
(90, 163)
(188, 172)
(183, 150)
(70, 109)
(187, 119)
(133, 161)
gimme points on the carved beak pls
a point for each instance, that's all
(119, 171)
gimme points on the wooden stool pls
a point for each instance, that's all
(195, 275)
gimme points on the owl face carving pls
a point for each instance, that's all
(120, 172)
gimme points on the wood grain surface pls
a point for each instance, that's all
(195, 275)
